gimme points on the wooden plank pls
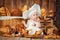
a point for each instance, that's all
(13, 38)
(19, 4)
(44, 4)
(36, 39)
(51, 4)
(24, 39)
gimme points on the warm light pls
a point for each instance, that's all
(25, 8)
(43, 12)
(2, 10)
(51, 11)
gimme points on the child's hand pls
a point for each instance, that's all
(23, 22)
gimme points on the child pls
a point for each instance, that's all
(33, 24)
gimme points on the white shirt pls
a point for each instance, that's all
(33, 26)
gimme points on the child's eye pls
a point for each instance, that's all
(33, 15)
(36, 14)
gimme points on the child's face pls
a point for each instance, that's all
(35, 16)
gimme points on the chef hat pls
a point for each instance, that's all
(34, 8)
(30, 12)
(25, 14)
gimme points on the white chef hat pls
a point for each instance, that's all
(30, 12)
(34, 8)
(25, 14)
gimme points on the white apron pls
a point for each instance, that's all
(32, 27)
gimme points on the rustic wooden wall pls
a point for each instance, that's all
(47, 4)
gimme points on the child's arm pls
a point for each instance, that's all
(24, 23)
(39, 24)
